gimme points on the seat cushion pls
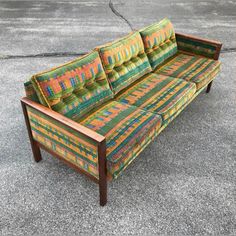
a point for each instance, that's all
(159, 42)
(124, 61)
(127, 129)
(157, 93)
(197, 69)
(74, 88)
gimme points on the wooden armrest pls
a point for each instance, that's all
(216, 44)
(64, 120)
(199, 39)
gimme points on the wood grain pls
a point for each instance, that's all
(64, 120)
(215, 43)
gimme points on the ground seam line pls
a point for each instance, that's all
(119, 14)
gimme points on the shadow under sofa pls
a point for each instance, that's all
(99, 111)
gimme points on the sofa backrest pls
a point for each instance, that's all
(30, 92)
(159, 42)
(124, 61)
(74, 88)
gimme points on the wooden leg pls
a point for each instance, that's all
(102, 173)
(103, 193)
(209, 87)
(34, 147)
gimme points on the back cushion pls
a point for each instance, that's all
(159, 42)
(74, 88)
(30, 92)
(124, 61)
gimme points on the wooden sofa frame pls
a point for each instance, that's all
(97, 138)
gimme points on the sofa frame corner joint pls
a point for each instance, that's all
(99, 139)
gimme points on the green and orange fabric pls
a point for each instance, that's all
(69, 144)
(124, 61)
(159, 42)
(197, 47)
(197, 69)
(128, 130)
(127, 91)
(159, 94)
(30, 92)
(75, 88)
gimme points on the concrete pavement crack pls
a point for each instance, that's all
(65, 54)
(56, 54)
(224, 50)
(119, 15)
(68, 54)
(227, 50)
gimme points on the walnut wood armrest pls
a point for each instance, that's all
(215, 45)
(88, 133)
(64, 120)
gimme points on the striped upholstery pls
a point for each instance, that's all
(67, 143)
(30, 92)
(159, 42)
(74, 88)
(127, 129)
(197, 69)
(196, 47)
(124, 61)
(158, 93)
(112, 92)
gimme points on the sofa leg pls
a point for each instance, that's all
(103, 193)
(34, 147)
(36, 152)
(209, 87)
(102, 173)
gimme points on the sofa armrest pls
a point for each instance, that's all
(73, 143)
(98, 138)
(199, 46)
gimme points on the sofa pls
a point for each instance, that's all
(99, 111)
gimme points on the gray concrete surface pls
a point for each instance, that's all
(182, 184)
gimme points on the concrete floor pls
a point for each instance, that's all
(182, 184)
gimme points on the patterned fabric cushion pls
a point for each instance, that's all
(159, 93)
(159, 42)
(197, 69)
(124, 61)
(127, 129)
(74, 88)
(30, 91)
(64, 141)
